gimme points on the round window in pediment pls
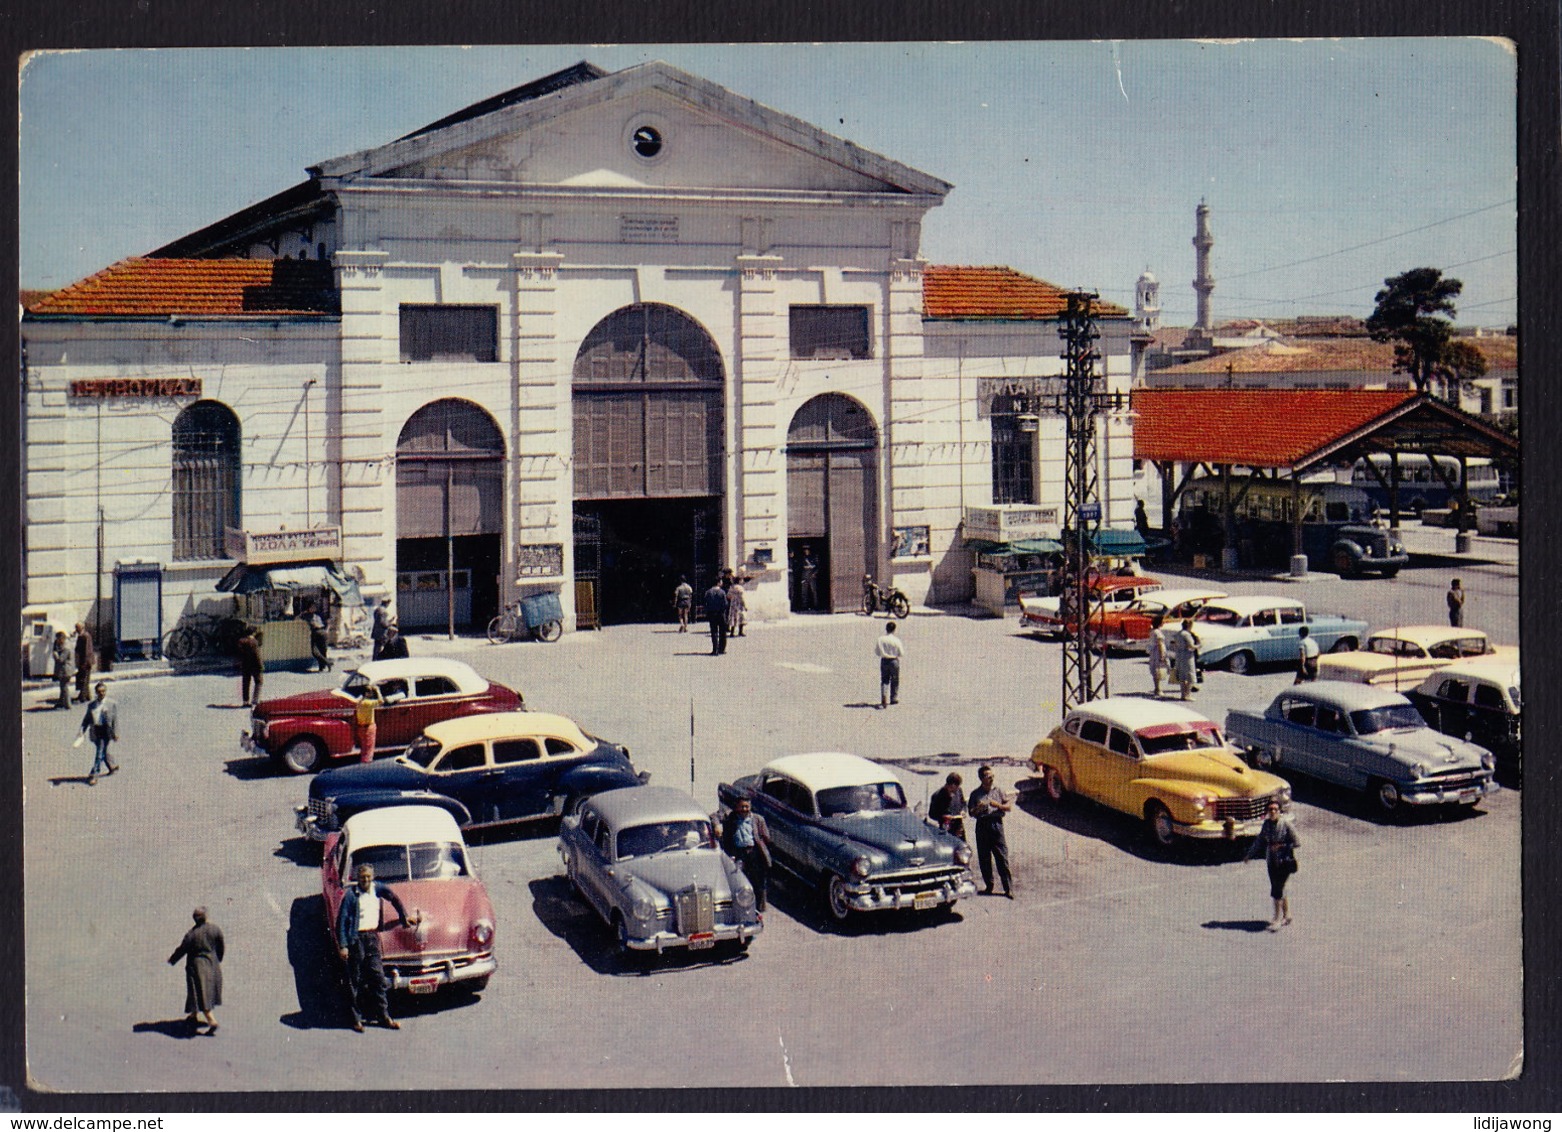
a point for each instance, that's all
(646, 141)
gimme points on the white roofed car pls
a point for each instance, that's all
(1478, 700)
(1402, 657)
(1158, 761)
(841, 822)
(1248, 630)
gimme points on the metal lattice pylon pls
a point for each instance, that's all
(1084, 668)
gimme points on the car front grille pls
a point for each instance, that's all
(1242, 809)
(694, 910)
(917, 880)
(1454, 778)
(324, 813)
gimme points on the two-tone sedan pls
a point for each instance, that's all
(485, 770)
(1242, 632)
(1363, 738)
(1107, 592)
(418, 852)
(841, 823)
(647, 862)
(302, 733)
(1401, 658)
(1478, 700)
(1130, 626)
(1161, 762)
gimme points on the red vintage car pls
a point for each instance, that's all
(1128, 626)
(302, 732)
(1113, 591)
(417, 851)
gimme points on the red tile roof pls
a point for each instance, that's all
(197, 288)
(996, 293)
(1258, 428)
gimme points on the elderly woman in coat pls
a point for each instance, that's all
(202, 949)
(64, 669)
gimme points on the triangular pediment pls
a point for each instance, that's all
(579, 129)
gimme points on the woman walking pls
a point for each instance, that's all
(202, 949)
(1277, 841)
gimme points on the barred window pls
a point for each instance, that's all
(1014, 444)
(206, 480)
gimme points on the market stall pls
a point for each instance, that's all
(280, 577)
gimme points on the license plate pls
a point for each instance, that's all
(1469, 795)
(422, 986)
(925, 900)
(700, 940)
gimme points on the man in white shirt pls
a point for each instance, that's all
(1307, 657)
(889, 651)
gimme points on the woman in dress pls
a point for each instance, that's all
(1277, 841)
(202, 948)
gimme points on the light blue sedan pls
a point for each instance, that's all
(1241, 632)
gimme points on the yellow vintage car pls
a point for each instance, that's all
(1159, 761)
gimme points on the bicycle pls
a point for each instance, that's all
(539, 617)
(887, 598)
(202, 633)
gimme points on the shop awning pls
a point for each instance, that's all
(291, 577)
(1118, 544)
(1018, 546)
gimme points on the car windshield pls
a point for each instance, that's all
(663, 837)
(1394, 717)
(423, 751)
(1194, 739)
(861, 799)
(354, 683)
(425, 860)
(1394, 646)
(1218, 615)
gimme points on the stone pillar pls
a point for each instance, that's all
(910, 431)
(759, 435)
(541, 483)
(365, 452)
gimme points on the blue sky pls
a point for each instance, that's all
(1328, 164)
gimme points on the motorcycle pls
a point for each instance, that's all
(887, 598)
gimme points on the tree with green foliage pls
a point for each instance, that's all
(1460, 364)
(1408, 314)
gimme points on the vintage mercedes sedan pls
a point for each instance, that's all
(418, 852)
(1240, 633)
(1363, 738)
(647, 862)
(1401, 658)
(1158, 761)
(303, 732)
(485, 770)
(841, 823)
(1478, 700)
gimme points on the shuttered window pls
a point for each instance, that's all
(207, 471)
(449, 458)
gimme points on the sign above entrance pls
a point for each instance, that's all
(260, 547)
(137, 387)
(545, 560)
(1010, 522)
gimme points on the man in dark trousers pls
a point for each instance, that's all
(716, 615)
(202, 949)
(87, 659)
(317, 641)
(252, 669)
(990, 804)
(746, 839)
(947, 809)
(1455, 605)
(359, 922)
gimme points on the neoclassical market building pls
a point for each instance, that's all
(589, 335)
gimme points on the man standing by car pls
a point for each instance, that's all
(252, 668)
(746, 839)
(716, 616)
(359, 922)
(1455, 605)
(947, 809)
(1306, 657)
(990, 804)
(1185, 657)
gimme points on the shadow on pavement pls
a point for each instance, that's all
(247, 768)
(181, 1028)
(1084, 818)
(317, 973)
(1236, 925)
(805, 903)
(1356, 804)
(64, 778)
(300, 851)
(564, 913)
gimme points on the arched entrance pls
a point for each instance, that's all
(449, 516)
(832, 497)
(649, 451)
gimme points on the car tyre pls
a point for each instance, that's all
(1344, 563)
(1344, 644)
(302, 755)
(1158, 821)
(835, 900)
(1386, 794)
(1052, 783)
(1240, 663)
(475, 986)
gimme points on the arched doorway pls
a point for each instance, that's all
(449, 516)
(649, 449)
(832, 505)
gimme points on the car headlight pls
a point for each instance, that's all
(482, 933)
(1284, 795)
(642, 908)
(862, 866)
(1488, 762)
(743, 897)
(1201, 802)
(1419, 770)
(962, 855)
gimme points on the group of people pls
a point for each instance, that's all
(1175, 652)
(724, 605)
(987, 806)
(75, 657)
(385, 638)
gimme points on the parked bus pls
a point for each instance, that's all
(1420, 487)
(1337, 528)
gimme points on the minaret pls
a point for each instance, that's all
(1203, 282)
(1147, 317)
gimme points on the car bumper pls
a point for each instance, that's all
(1466, 794)
(1223, 829)
(428, 977)
(312, 826)
(722, 933)
(247, 741)
(870, 897)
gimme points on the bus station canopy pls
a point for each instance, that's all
(1297, 429)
